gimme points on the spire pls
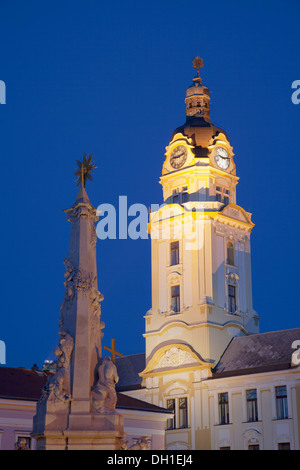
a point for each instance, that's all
(72, 413)
(197, 96)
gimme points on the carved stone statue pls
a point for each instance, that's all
(58, 385)
(104, 396)
(124, 445)
(22, 444)
(142, 443)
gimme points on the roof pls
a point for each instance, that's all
(26, 384)
(129, 368)
(126, 402)
(260, 352)
(20, 383)
(201, 132)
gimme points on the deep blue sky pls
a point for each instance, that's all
(109, 78)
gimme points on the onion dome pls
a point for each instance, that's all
(198, 126)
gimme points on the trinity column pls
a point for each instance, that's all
(77, 406)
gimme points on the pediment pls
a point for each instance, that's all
(175, 356)
(233, 211)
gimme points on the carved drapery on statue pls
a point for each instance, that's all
(104, 396)
(57, 387)
(86, 283)
(142, 443)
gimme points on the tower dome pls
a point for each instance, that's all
(198, 126)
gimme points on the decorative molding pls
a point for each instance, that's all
(232, 278)
(175, 357)
(57, 388)
(103, 395)
(82, 209)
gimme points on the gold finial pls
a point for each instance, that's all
(85, 167)
(197, 64)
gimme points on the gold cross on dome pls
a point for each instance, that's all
(112, 350)
(197, 63)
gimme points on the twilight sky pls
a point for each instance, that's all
(109, 79)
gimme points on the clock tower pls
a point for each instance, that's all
(200, 248)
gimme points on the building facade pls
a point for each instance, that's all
(202, 303)
(21, 389)
(208, 380)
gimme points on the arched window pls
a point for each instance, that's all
(230, 254)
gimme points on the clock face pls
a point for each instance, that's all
(178, 156)
(222, 158)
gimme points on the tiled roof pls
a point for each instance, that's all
(125, 402)
(261, 352)
(128, 370)
(26, 384)
(20, 383)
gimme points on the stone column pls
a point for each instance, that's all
(77, 407)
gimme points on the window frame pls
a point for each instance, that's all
(171, 422)
(177, 421)
(252, 406)
(24, 435)
(232, 303)
(219, 194)
(281, 402)
(180, 195)
(230, 258)
(284, 446)
(174, 251)
(222, 195)
(175, 299)
(175, 195)
(223, 408)
(184, 194)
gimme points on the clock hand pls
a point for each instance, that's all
(177, 156)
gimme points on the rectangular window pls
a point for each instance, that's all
(174, 253)
(171, 406)
(226, 196)
(180, 409)
(23, 442)
(230, 254)
(184, 194)
(219, 193)
(281, 402)
(231, 299)
(284, 446)
(251, 396)
(223, 408)
(183, 417)
(253, 447)
(175, 299)
(175, 196)
(222, 195)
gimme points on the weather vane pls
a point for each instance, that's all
(85, 167)
(197, 64)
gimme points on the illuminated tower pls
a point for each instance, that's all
(200, 243)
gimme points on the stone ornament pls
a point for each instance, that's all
(57, 388)
(232, 278)
(143, 443)
(103, 395)
(22, 444)
(175, 357)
